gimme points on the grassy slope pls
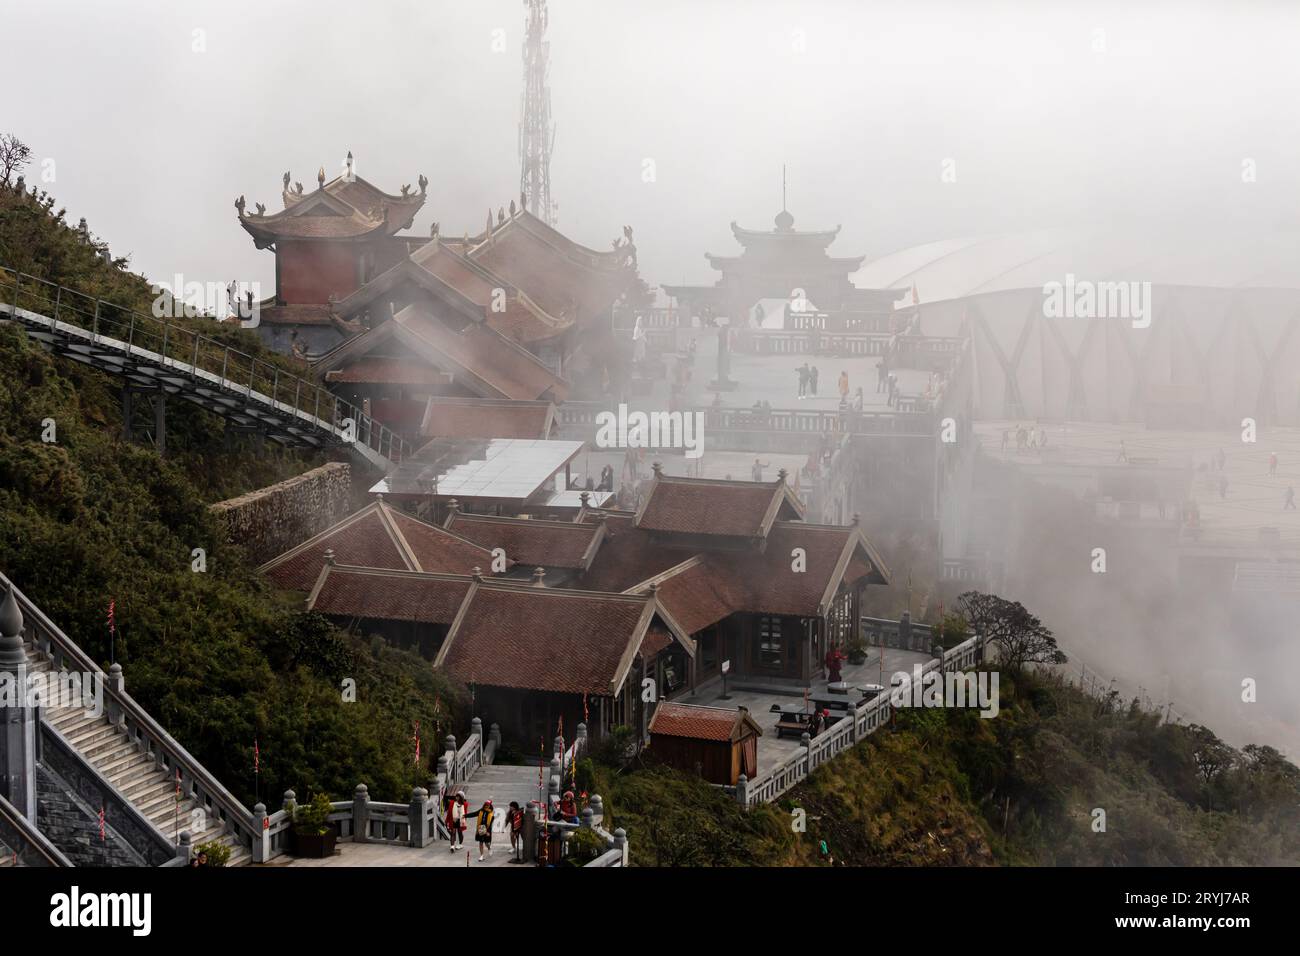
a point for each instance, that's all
(950, 788)
(214, 656)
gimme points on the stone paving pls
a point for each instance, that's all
(773, 750)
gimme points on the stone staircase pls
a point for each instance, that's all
(135, 775)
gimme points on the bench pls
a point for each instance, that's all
(788, 726)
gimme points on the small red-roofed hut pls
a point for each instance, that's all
(719, 742)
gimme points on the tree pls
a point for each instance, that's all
(14, 155)
(1021, 637)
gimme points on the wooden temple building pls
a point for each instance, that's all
(389, 320)
(568, 619)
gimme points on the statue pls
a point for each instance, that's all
(424, 184)
(286, 180)
(320, 177)
(261, 209)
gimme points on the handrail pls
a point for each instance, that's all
(288, 392)
(202, 785)
(16, 828)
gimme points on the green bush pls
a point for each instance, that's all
(218, 854)
(312, 819)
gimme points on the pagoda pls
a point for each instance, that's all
(782, 263)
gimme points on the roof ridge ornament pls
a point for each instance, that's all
(320, 178)
(424, 184)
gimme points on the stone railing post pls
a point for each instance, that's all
(494, 735)
(742, 790)
(418, 817)
(449, 747)
(554, 781)
(476, 727)
(530, 835)
(582, 739)
(905, 630)
(183, 849)
(620, 844)
(597, 804)
(290, 803)
(116, 685)
(361, 814)
(587, 819)
(807, 747)
(261, 835)
(558, 748)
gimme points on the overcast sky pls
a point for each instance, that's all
(1050, 113)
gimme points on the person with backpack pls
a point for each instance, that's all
(483, 818)
(515, 824)
(455, 820)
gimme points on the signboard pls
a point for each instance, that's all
(726, 667)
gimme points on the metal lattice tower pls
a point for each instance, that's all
(536, 133)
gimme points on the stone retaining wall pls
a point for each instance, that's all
(269, 521)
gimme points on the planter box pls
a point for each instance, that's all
(315, 847)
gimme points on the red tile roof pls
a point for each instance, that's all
(701, 723)
(486, 418)
(377, 536)
(545, 639)
(707, 506)
(388, 595)
(531, 541)
(481, 358)
(627, 556)
(390, 371)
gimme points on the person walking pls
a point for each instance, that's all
(1289, 504)
(812, 380)
(455, 820)
(882, 375)
(803, 379)
(483, 818)
(844, 386)
(1272, 465)
(515, 824)
(756, 470)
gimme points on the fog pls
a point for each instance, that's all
(1051, 113)
(677, 118)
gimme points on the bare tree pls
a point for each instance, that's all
(1021, 637)
(14, 155)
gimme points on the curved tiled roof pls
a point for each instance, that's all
(375, 594)
(532, 542)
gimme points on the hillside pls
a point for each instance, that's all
(946, 787)
(91, 519)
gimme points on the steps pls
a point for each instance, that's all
(146, 786)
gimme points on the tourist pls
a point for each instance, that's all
(1006, 434)
(860, 400)
(515, 824)
(834, 661)
(757, 469)
(483, 818)
(1289, 505)
(1123, 453)
(802, 371)
(567, 808)
(812, 381)
(606, 478)
(844, 387)
(882, 375)
(200, 860)
(455, 820)
(1272, 465)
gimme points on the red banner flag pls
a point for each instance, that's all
(257, 757)
(101, 823)
(416, 738)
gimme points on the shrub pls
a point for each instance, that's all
(218, 854)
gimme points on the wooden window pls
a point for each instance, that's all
(771, 645)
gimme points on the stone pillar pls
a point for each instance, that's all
(116, 685)
(742, 790)
(554, 782)
(530, 835)
(360, 813)
(17, 723)
(261, 835)
(587, 819)
(597, 804)
(557, 747)
(418, 817)
(290, 802)
(905, 630)
(582, 738)
(183, 849)
(494, 735)
(807, 746)
(620, 844)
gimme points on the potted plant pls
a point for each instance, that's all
(857, 650)
(313, 835)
